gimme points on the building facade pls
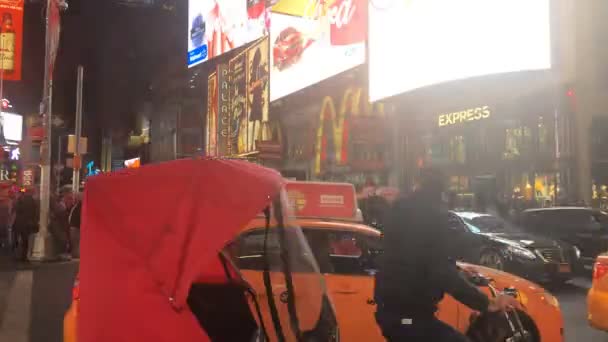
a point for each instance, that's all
(500, 136)
(333, 133)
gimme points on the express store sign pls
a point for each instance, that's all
(464, 116)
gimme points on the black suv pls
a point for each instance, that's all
(584, 228)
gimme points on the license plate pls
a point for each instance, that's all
(564, 268)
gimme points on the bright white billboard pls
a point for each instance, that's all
(417, 43)
(314, 40)
(11, 127)
(218, 26)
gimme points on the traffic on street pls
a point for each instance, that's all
(303, 171)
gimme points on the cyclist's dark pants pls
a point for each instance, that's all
(397, 329)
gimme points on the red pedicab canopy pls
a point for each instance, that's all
(149, 233)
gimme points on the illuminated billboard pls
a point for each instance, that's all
(11, 39)
(418, 43)
(11, 127)
(218, 26)
(313, 40)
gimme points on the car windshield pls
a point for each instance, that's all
(487, 224)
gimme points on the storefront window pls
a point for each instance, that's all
(460, 196)
(458, 152)
(544, 138)
(522, 189)
(545, 188)
(517, 141)
(447, 149)
(599, 195)
(458, 184)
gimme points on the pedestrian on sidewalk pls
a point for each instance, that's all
(74, 223)
(59, 225)
(26, 222)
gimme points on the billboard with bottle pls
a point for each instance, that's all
(218, 26)
(11, 39)
(312, 40)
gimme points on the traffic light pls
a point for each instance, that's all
(567, 100)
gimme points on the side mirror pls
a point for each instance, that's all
(455, 227)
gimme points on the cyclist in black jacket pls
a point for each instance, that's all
(416, 270)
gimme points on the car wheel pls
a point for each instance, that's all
(492, 259)
(495, 328)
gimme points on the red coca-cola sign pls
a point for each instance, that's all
(348, 19)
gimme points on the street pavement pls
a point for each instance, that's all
(34, 298)
(573, 300)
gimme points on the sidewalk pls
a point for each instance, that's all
(33, 299)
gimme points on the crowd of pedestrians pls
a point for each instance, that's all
(20, 220)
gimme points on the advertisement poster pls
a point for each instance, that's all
(419, 43)
(27, 177)
(327, 200)
(218, 26)
(11, 127)
(212, 118)
(258, 90)
(224, 123)
(238, 102)
(11, 39)
(313, 40)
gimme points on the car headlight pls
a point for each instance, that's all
(521, 252)
(577, 252)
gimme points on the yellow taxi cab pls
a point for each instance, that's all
(597, 300)
(345, 251)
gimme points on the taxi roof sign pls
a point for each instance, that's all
(336, 201)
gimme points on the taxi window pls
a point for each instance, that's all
(248, 252)
(339, 252)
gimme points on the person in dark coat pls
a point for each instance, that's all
(74, 223)
(417, 269)
(26, 221)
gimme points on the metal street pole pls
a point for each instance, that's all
(78, 130)
(42, 244)
(58, 168)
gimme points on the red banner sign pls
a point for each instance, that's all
(348, 22)
(11, 39)
(322, 200)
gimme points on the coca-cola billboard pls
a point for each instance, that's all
(312, 40)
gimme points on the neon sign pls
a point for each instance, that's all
(468, 115)
(92, 170)
(333, 131)
(15, 154)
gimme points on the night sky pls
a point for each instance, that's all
(121, 48)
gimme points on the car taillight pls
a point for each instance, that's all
(600, 269)
(76, 290)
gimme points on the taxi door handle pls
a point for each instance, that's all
(345, 292)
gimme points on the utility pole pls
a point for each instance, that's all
(78, 130)
(42, 246)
